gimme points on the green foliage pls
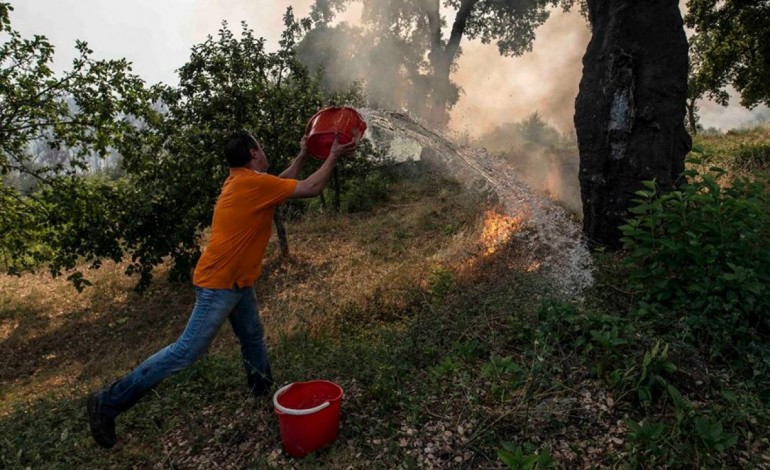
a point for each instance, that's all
(713, 436)
(743, 152)
(51, 129)
(647, 439)
(505, 375)
(702, 80)
(653, 377)
(601, 337)
(361, 181)
(753, 157)
(177, 169)
(702, 253)
(440, 283)
(446, 367)
(534, 130)
(365, 193)
(730, 47)
(516, 458)
(169, 140)
(513, 138)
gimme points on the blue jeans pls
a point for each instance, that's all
(212, 308)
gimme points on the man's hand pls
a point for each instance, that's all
(342, 150)
(315, 183)
(296, 164)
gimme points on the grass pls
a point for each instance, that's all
(447, 355)
(743, 152)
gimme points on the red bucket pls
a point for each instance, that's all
(325, 124)
(308, 415)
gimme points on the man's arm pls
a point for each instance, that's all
(315, 183)
(299, 160)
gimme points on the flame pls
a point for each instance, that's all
(498, 229)
(534, 266)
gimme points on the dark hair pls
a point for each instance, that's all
(238, 148)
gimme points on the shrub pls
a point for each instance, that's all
(702, 254)
(753, 157)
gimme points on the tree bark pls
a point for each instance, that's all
(442, 56)
(280, 230)
(629, 113)
(692, 118)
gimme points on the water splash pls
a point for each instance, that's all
(552, 238)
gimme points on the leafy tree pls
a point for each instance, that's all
(702, 82)
(177, 169)
(169, 140)
(87, 111)
(535, 130)
(414, 27)
(731, 46)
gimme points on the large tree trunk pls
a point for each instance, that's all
(629, 113)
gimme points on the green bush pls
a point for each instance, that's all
(753, 157)
(702, 254)
(366, 193)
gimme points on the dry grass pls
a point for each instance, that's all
(439, 343)
(55, 340)
(742, 152)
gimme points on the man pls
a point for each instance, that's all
(224, 278)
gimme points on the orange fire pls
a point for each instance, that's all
(498, 229)
(534, 266)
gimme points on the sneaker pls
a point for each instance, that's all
(102, 426)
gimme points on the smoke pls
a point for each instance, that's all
(542, 157)
(500, 89)
(713, 115)
(522, 108)
(498, 93)
(495, 89)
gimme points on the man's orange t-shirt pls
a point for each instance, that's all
(241, 228)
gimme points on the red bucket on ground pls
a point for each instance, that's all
(308, 415)
(344, 122)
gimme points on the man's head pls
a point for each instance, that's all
(243, 150)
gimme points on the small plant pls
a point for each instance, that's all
(702, 254)
(468, 349)
(713, 436)
(440, 283)
(505, 374)
(517, 458)
(646, 438)
(607, 338)
(600, 336)
(447, 367)
(653, 377)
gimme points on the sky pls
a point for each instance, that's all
(156, 36)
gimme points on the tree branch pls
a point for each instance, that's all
(458, 28)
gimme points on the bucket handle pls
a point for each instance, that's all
(293, 412)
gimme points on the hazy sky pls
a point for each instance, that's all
(156, 36)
